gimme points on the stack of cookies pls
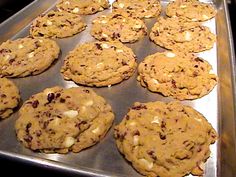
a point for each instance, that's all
(159, 139)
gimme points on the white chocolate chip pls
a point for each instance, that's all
(155, 81)
(137, 26)
(49, 22)
(183, 6)
(99, 65)
(105, 46)
(124, 20)
(205, 17)
(148, 16)
(103, 16)
(70, 113)
(67, 3)
(199, 120)
(109, 86)
(119, 50)
(121, 5)
(104, 21)
(40, 40)
(104, 35)
(187, 36)
(96, 130)
(170, 54)
(136, 140)
(194, 19)
(156, 120)
(30, 55)
(20, 46)
(75, 10)
(7, 57)
(69, 141)
(88, 103)
(146, 163)
(132, 123)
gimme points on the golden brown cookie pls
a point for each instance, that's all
(99, 64)
(57, 24)
(83, 7)
(179, 75)
(62, 120)
(139, 8)
(178, 34)
(165, 139)
(192, 10)
(118, 26)
(9, 97)
(27, 56)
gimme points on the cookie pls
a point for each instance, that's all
(191, 10)
(9, 97)
(178, 34)
(139, 8)
(99, 64)
(118, 26)
(57, 24)
(179, 75)
(62, 120)
(165, 139)
(27, 56)
(83, 7)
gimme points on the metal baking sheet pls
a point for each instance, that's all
(104, 159)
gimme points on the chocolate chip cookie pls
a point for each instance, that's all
(9, 97)
(178, 34)
(99, 64)
(57, 24)
(83, 7)
(62, 120)
(180, 75)
(139, 8)
(118, 26)
(27, 56)
(192, 10)
(165, 139)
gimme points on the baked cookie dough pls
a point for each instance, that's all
(27, 56)
(179, 75)
(165, 139)
(9, 97)
(57, 24)
(192, 10)
(178, 34)
(118, 26)
(139, 8)
(83, 7)
(99, 64)
(62, 120)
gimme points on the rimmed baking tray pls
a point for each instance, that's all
(104, 159)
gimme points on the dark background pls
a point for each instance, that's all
(12, 168)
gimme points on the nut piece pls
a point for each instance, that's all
(69, 141)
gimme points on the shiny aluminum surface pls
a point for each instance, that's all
(104, 159)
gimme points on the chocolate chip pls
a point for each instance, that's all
(51, 15)
(35, 104)
(198, 60)
(162, 136)
(86, 91)
(152, 154)
(127, 117)
(136, 132)
(173, 82)
(3, 96)
(80, 123)
(139, 107)
(117, 15)
(58, 95)
(115, 35)
(28, 127)
(5, 51)
(99, 47)
(38, 133)
(28, 138)
(50, 97)
(11, 61)
(62, 100)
